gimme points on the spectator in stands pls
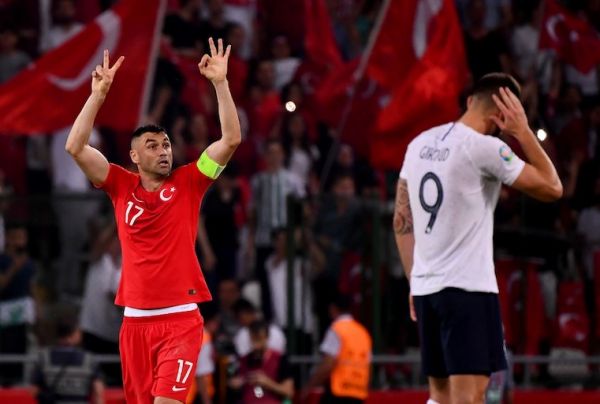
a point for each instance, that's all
(497, 13)
(64, 25)
(12, 60)
(487, 50)
(345, 367)
(284, 63)
(216, 25)
(244, 14)
(588, 230)
(237, 69)
(17, 308)
(337, 231)
(205, 369)
(246, 314)
(218, 230)
(228, 294)
(263, 103)
(277, 271)
(265, 374)
(268, 211)
(65, 372)
(100, 320)
(183, 29)
(299, 155)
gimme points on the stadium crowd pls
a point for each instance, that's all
(59, 245)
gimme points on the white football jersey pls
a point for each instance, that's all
(454, 175)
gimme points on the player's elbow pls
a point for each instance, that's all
(72, 148)
(551, 192)
(555, 191)
(234, 140)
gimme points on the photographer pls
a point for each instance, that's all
(264, 375)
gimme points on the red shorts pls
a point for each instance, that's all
(159, 355)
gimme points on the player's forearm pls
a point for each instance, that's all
(406, 246)
(230, 123)
(82, 128)
(538, 158)
(403, 227)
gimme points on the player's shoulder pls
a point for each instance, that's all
(434, 133)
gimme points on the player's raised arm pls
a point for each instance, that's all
(539, 178)
(92, 162)
(214, 68)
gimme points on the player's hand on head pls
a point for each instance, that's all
(214, 67)
(512, 119)
(102, 76)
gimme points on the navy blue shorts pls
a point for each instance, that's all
(461, 333)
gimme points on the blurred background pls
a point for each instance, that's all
(329, 93)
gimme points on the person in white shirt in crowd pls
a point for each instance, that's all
(69, 182)
(246, 314)
(284, 63)
(277, 271)
(444, 222)
(100, 320)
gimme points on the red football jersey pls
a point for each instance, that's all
(157, 231)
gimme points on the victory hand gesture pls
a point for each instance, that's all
(103, 76)
(214, 67)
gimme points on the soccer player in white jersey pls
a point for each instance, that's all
(443, 223)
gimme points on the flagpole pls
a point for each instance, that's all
(152, 61)
(357, 76)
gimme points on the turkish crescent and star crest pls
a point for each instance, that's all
(163, 194)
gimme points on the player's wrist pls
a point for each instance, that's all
(98, 95)
(221, 83)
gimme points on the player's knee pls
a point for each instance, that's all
(474, 395)
(164, 400)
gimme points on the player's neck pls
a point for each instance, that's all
(474, 121)
(151, 182)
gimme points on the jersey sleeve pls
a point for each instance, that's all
(331, 344)
(199, 181)
(494, 158)
(117, 181)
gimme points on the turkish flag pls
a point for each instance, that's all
(413, 79)
(419, 59)
(49, 95)
(322, 55)
(574, 39)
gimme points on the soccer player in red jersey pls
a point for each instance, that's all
(157, 211)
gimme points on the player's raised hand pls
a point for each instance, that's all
(214, 67)
(513, 120)
(102, 76)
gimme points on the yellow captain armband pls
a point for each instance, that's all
(209, 167)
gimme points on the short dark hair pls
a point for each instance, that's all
(342, 302)
(259, 326)
(66, 326)
(147, 129)
(15, 225)
(491, 84)
(243, 306)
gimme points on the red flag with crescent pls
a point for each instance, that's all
(49, 94)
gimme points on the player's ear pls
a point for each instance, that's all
(469, 101)
(134, 156)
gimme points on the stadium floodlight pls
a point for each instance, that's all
(541, 135)
(290, 106)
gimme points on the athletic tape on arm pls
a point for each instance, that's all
(209, 167)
